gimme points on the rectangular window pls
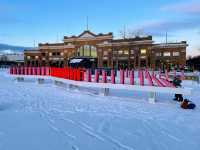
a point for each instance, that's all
(115, 52)
(158, 54)
(105, 53)
(166, 54)
(176, 54)
(143, 51)
(132, 51)
(120, 52)
(126, 52)
(143, 57)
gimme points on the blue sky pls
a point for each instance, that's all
(22, 22)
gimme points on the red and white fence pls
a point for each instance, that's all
(145, 78)
(146, 81)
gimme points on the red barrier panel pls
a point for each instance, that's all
(14, 70)
(18, 70)
(149, 79)
(112, 76)
(121, 76)
(38, 71)
(34, 69)
(104, 76)
(29, 71)
(71, 74)
(141, 78)
(126, 72)
(43, 71)
(25, 71)
(74, 74)
(47, 71)
(167, 74)
(158, 82)
(78, 75)
(82, 75)
(11, 70)
(22, 70)
(96, 78)
(167, 83)
(145, 73)
(88, 75)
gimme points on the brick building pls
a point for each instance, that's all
(104, 51)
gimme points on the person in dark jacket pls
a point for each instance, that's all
(177, 83)
(186, 104)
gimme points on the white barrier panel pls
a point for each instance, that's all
(169, 90)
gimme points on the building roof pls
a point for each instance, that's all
(170, 45)
(137, 38)
(89, 33)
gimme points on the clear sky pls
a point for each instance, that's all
(23, 21)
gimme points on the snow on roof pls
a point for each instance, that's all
(73, 61)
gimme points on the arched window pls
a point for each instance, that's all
(87, 50)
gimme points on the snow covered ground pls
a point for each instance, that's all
(46, 117)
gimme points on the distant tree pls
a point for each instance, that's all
(130, 33)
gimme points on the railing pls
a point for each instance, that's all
(100, 76)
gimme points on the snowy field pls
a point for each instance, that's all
(46, 117)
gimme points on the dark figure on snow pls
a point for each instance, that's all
(177, 83)
(186, 104)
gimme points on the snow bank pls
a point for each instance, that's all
(46, 117)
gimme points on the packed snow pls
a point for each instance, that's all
(50, 117)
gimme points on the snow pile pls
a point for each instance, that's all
(46, 117)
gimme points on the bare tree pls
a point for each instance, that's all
(130, 33)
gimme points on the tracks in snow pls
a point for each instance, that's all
(87, 130)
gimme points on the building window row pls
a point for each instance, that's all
(167, 54)
(143, 51)
(87, 50)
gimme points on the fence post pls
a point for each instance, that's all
(82, 75)
(126, 73)
(42, 71)
(38, 71)
(25, 71)
(74, 74)
(11, 70)
(145, 73)
(88, 75)
(29, 71)
(22, 70)
(141, 78)
(167, 74)
(132, 77)
(104, 76)
(121, 76)
(96, 76)
(78, 74)
(112, 76)
(17, 71)
(33, 70)
(159, 73)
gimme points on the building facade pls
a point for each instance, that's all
(105, 51)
